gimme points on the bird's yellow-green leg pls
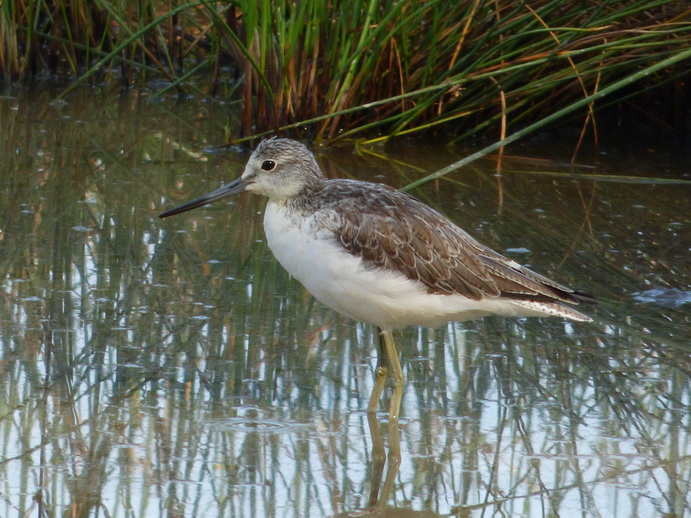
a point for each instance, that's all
(378, 458)
(394, 462)
(379, 499)
(380, 375)
(394, 366)
(387, 361)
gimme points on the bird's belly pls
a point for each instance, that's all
(345, 283)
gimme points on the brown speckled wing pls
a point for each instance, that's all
(390, 229)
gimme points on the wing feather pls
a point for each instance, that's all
(392, 230)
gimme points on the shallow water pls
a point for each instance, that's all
(170, 367)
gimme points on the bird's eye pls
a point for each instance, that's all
(268, 165)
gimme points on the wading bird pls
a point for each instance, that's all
(378, 255)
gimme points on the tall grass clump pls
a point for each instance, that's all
(345, 68)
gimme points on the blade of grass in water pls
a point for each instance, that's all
(133, 37)
(553, 117)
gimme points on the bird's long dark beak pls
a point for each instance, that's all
(222, 192)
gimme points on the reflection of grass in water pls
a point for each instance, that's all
(148, 334)
(391, 67)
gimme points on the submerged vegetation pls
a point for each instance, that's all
(172, 368)
(371, 67)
